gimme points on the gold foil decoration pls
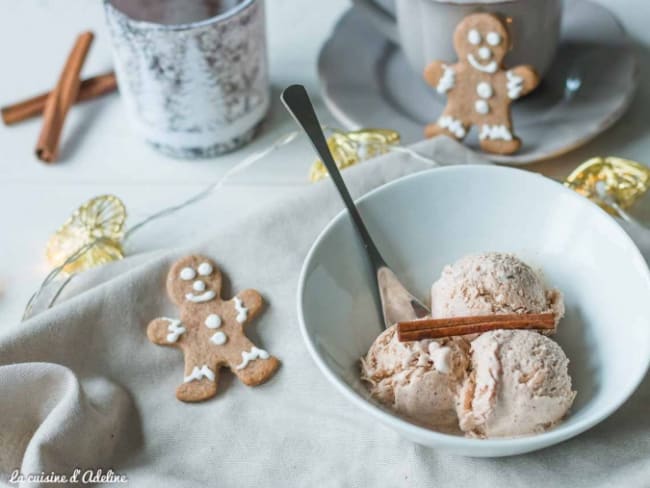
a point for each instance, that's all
(350, 148)
(625, 181)
(94, 231)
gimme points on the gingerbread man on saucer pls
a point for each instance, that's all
(479, 89)
(210, 330)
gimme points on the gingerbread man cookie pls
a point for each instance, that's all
(210, 331)
(479, 90)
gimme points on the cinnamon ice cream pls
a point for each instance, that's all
(518, 385)
(492, 283)
(504, 383)
(419, 380)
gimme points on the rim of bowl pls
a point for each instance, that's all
(237, 9)
(525, 443)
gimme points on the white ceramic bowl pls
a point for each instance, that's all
(424, 221)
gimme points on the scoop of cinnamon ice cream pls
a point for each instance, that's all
(504, 383)
(519, 384)
(420, 379)
(492, 283)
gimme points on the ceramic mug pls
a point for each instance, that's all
(425, 28)
(192, 74)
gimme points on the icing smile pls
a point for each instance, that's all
(491, 67)
(203, 297)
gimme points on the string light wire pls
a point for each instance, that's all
(207, 191)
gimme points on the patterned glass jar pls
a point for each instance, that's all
(192, 88)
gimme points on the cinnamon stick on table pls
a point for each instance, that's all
(62, 97)
(89, 88)
(418, 330)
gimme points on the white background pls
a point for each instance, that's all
(99, 154)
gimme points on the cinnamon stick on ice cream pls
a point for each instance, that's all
(90, 88)
(418, 330)
(62, 97)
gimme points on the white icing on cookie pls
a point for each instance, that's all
(187, 274)
(484, 90)
(213, 321)
(482, 107)
(484, 52)
(491, 67)
(493, 38)
(175, 329)
(455, 126)
(203, 297)
(205, 269)
(515, 85)
(474, 37)
(198, 373)
(198, 285)
(447, 80)
(495, 132)
(255, 353)
(219, 338)
(242, 311)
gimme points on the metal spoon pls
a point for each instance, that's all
(397, 303)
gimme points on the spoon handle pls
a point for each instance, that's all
(297, 102)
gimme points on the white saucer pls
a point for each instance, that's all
(367, 82)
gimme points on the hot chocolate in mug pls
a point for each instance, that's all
(425, 28)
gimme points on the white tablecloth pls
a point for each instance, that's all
(82, 387)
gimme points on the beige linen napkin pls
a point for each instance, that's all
(82, 387)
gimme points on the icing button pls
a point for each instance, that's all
(213, 321)
(219, 338)
(484, 90)
(482, 107)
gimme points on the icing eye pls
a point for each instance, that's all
(205, 269)
(198, 285)
(474, 37)
(493, 39)
(187, 274)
